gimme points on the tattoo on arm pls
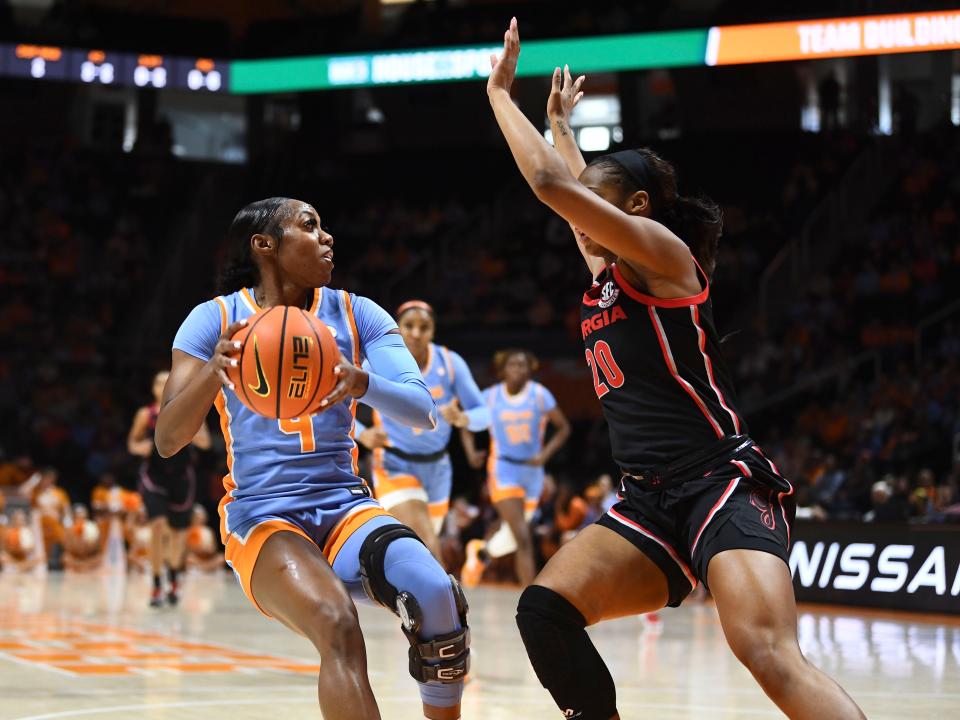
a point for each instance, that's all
(562, 128)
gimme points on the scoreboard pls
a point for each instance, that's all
(106, 67)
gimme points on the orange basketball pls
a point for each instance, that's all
(286, 361)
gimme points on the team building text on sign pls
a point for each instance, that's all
(839, 37)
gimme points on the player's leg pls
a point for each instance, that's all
(401, 492)
(426, 518)
(623, 565)
(291, 581)
(415, 514)
(182, 495)
(754, 596)
(159, 536)
(514, 521)
(507, 493)
(381, 561)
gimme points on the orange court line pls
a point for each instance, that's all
(81, 669)
(101, 645)
(199, 667)
(146, 656)
(58, 636)
(48, 656)
(311, 669)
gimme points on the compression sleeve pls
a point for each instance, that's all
(396, 387)
(466, 390)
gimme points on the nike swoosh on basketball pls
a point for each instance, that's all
(263, 389)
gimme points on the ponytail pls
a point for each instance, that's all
(699, 223)
(262, 217)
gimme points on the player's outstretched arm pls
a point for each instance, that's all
(565, 93)
(634, 238)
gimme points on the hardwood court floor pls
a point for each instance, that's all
(88, 647)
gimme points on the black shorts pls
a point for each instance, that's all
(682, 528)
(169, 496)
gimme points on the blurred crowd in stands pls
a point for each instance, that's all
(853, 388)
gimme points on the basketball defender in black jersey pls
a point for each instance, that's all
(698, 500)
(168, 487)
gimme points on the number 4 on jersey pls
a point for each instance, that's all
(302, 426)
(602, 357)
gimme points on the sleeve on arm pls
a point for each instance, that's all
(199, 333)
(396, 387)
(373, 322)
(466, 390)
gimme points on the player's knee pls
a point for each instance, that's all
(333, 626)
(427, 582)
(773, 662)
(547, 622)
(401, 574)
(562, 655)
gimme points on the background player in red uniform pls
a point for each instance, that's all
(699, 500)
(169, 490)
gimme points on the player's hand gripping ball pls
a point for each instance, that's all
(285, 363)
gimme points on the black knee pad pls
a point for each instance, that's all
(563, 656)
(373, 552)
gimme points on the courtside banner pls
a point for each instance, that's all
(836, 37)
(903, 567)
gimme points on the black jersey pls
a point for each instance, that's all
(658, 371)
(160, 467)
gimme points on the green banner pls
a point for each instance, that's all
(538, 57)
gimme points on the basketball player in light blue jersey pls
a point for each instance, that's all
(301, 531)
(411, 468)
(520, 410)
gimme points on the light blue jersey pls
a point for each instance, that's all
(517, 426)
(424, 472)
(518, 422)
(286, 466)
(447, 376)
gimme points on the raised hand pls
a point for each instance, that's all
(564, 94)
(504, 69)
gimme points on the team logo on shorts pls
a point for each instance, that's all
(609, 294)
(763, 506)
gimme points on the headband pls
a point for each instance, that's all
(415, 305)
(635, 165)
